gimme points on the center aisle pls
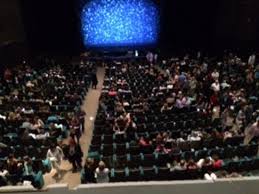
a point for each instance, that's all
(90, 107)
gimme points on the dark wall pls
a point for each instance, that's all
(187, 24)
(51, 26)
(12, 36)
(210, 25)
(237, 24)
(11, 26)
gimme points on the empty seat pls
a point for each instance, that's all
(134, 161)
(148, 160)
(133, 174)
(117, 175)
(120, 149)
(148, 173)
(163, 173)
(107, 149)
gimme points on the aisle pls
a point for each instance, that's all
(90, 107)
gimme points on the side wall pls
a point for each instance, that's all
(11, 24)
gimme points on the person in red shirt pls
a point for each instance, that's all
(214, 99)
(218, 163)
(112, 92)
(144, 142)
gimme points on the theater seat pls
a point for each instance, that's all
(134, 160)
(148, 173)
(148, 160)
(117, 175)
(133, 174)
(163, 173)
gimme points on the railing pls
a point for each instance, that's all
(249, 185)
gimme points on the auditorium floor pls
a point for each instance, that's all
(90, 106)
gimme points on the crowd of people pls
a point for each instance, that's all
(193, 114)
(174, 109)
(40, 108)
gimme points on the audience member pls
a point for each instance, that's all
(55, 155)
(89, 174)
(102, 173)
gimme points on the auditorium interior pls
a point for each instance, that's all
(112, 96)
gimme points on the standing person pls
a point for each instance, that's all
(251, 59)
(89, 175)
(102, 173)
(55, 155)
(28, 173)
(94, 80)
(75, 154)
(252, 131)
(150, 57)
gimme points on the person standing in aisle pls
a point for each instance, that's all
(94, 80)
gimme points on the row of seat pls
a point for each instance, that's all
(21, 150)
(134, 162)
(61, 95)
(139, 158)
(164, 173)
(121, 143)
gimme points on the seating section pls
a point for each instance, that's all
(37, 107)
(136, 93)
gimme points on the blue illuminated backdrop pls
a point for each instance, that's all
(120, 23)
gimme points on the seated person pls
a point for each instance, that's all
(178, 166)
(122, 123)
(194, 136)
(102, 173)
(160, 145)
(37, 123)
(191, 165)
(165, 108)
(14, 169)
(205, 162)
(55, 130)
(3, 173)
(144, 142)
(217, 163)
(112, 92)
(182, 101)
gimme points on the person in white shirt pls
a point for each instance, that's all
(208, 161)
(150, 57)
(55, 155)
(102, 173)
(251, 131)
(251, 60)
(194, 136)
(168, 73)
(215, 86)
(224, 84)
(3, 173)
(215, 74)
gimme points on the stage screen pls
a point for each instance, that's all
(119, 23)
